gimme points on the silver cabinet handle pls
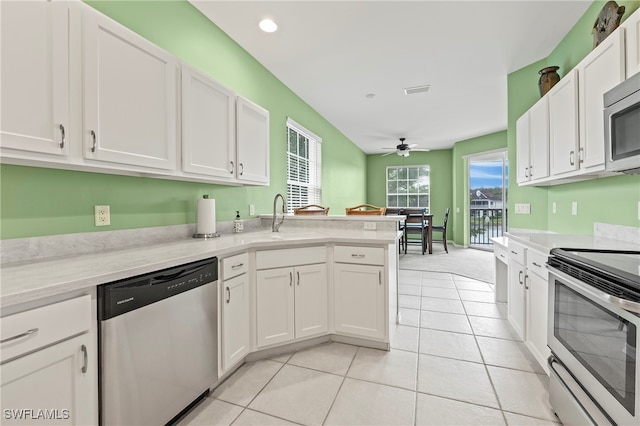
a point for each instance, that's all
(357, 256)
(525, 281)
(520, 277)
(20, 336)
(298, 277)
(379, 277)
(531, 171)
(526, 172)
(233, 167)
(228, 294)
(63, 135)
(290, 279)
(241, 169)
(501, 255)
(581, 155)
(93, 146)
(514, 252)
(239, 265)
(535, 264)
(85, 364)
(571, 158)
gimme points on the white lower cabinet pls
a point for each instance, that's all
(359, 291)
(234, 311)
(48, 371)
(50, 386)
(528, 299)
(291, 303)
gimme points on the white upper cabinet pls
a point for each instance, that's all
(632, 43)
(563, 124)
(598, 72)
(208, 126)
(129, 97)
(252, 142)
(532, 142)
(35, 77)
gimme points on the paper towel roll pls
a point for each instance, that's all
(206, 216)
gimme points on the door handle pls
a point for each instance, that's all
(290, 279)
(85, 363)
(520, 277)
(233, 167)
(525, 282)
(228, 295)
(298, 277)
(63, 135)
(20, 336)
(379, 277)
(93, 145)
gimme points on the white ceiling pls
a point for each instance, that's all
(333, 53)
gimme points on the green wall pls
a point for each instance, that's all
(439, 161)
(38, 201)
(611, 200)
(462, 149)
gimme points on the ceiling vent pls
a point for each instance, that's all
(416, 89)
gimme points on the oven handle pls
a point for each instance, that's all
(627, 305)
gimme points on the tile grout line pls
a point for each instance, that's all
(344, 378)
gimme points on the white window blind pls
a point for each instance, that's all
(304, 167)
(408, 186)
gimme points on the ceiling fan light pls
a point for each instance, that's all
(403, 153)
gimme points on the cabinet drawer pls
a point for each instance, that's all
(536, 263)
(235, 265)
(501, 253)
(267, 259)
(33, 329)
(516, 252)
(359, 255)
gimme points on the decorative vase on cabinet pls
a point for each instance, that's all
(548, 78)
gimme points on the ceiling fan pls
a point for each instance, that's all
(403, 149)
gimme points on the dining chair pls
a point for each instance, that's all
(311, 209)
(365, 209)
(415, 223)
(443, 229)
(394, 211)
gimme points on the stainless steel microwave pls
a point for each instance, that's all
(622, 126)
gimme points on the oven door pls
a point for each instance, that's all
(597, 342)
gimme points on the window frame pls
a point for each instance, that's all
(311, 165)
(408, 194)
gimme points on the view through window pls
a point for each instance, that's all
(304, 166)
(408, 186)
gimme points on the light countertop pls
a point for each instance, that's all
(544, 242)
(31, 281)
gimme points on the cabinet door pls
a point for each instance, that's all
(599, 72)
(539, 139)
(252, 142)
(51, 379)
(129, 96)
(632, 43)
(516, 298)
(359, 300)
(537, 317)
(208, 126)
(274, 306)
(522, 148)
(235, 320)
(563, 124)
(35, 76)
(311, 300)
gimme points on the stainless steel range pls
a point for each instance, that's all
(594, 330)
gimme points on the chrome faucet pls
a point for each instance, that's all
(276, 226)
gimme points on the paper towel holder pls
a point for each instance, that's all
(206, 235)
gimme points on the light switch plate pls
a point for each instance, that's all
(252, 209)
(574, 208)
(523, 208)
(554, 207)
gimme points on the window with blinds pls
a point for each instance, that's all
(304, 166)
(408, 186)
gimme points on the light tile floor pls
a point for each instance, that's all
(454, 361)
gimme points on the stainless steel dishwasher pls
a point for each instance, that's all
(158, 343)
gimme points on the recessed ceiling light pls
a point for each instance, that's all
(267, 25)
(417, 89)
(370, 95)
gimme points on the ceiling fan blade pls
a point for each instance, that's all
(421, 149)
(390, 148)
(388, 153)
(413, 145)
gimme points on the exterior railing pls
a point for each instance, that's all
(486, 224)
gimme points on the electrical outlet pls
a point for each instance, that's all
(554, 207)
(102, 215)
(574, 208)
(370, 226)
(252, 209)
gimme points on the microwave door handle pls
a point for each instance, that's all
(627, 305)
